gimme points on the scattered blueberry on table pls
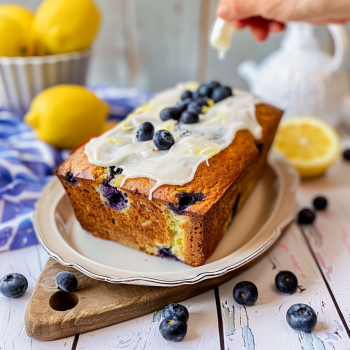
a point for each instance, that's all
(66, 281)
(177, 310)
(346, 154)
(145, 132)
(13, 285)
(306, 216)
(173, 328)
(320, 203)
(163, 140)
(301, 317)
(245, 293)
(286, 282)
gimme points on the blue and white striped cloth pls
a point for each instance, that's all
(26, 165)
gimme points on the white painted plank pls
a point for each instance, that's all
(329, 237)
(142, 332)
(168, 42)
(264, 326)
(29, 262)
(109, 65)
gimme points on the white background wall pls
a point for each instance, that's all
(153, 44)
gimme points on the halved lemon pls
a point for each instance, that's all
(310, 144)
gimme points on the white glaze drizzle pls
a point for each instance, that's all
(216, 129)
(221, 36)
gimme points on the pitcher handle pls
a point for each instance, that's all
(341, 47)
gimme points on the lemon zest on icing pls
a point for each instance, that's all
(200, 152)
(145, 108)
(210, 102)
(124, 127)
(205, 109)
(210, 147)
(190, 150)
(170, 125)
(191, 85)
(220, 116)
(113, 140)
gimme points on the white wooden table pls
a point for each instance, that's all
(319, 255)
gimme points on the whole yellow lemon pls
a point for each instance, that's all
(24, 17)
(15, 40)
(66, 115)
(66, 25)
(18, 13)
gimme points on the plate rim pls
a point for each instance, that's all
(278, 164)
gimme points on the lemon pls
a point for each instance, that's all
(24, 17)
(66, 25)
(66, 115)
(310, 144)
(18, 13)
(15, 39)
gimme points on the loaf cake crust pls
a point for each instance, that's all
(183, 221)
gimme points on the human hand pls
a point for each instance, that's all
(265, 16)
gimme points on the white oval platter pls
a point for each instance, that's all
(272, 204)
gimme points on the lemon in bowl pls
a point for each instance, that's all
(310, 145)
(62, 26)
(66, 115)
(16, 40)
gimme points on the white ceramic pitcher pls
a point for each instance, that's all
(302, 79)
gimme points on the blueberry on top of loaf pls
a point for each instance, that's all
(180, 194)
(189, 127)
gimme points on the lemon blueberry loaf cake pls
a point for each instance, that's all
(169, 178)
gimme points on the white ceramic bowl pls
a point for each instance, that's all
(21, 78)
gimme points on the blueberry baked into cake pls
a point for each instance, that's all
(169, 178)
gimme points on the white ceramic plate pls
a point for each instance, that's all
(272, 204)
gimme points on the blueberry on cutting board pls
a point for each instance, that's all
(245, 293)
(286, 282)
(173, 328)
(13, 285)
(177, 310)
(66, 281)
(301, 317)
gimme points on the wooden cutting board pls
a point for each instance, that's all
(52, 314)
